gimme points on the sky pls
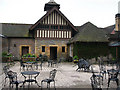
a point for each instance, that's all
(99, 12)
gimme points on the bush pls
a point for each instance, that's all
(4, 54)
(75, 57)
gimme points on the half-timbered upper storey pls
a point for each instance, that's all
(53, 25)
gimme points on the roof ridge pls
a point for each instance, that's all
(16, 23)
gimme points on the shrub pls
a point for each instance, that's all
(75, 57)
(4, 54)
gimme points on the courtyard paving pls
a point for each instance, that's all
(66, 76)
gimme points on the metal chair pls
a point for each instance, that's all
(113, 76)
(13, 79)
(96, 82)
(41, 63)
(83, 64)
(5, 70)
(103, 70)
(50, 62)
(22, 65)
(50, 79)
(56, 63)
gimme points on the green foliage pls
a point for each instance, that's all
(92, 50)
(5, 54)
(29, 55)
(75, 57)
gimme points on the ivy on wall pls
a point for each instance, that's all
(92, 50)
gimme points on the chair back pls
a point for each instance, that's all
(96, 81)
(113, 74)
(12, 76)
(5, 69)
(52, 74)
(83, 63)
(59, 60)
(102, 68)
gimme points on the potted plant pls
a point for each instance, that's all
(75, 59)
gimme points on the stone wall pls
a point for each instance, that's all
(15, 45)
(51, 43)
(4, 45)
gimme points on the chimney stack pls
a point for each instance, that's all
(119, 7)
(117, 19)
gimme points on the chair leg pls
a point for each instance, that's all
(47, 85)
(117, 81)
(54, 84)
(41, 83)
(108, 82)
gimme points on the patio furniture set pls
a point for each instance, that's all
(29, 74)
(97, 77)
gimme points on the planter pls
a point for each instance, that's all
(26, 59)
(75, 61)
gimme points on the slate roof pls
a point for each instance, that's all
(90, 33)
(109, 29)
(15, 30)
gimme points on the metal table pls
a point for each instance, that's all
(50, 62)
(30, 76)
(29, 64)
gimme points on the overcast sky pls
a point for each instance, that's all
(99, 12)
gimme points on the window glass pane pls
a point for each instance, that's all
(50, 33)
(69, 34)
(64, 34)
(43, 48)
(37, 33)
(43, 33)
(55, 34)
(63, 49)
(59, 34)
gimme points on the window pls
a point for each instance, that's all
(50, 33)
(59, 34)
(69, 34)
(37, 33)
(55, 34)
(43, 33)
(63, 49)
(64, 34)
(43, 48)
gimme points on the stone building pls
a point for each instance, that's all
(49, 35)
(52, 35)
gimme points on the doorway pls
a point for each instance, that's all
(25, 50)
(53, 53)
